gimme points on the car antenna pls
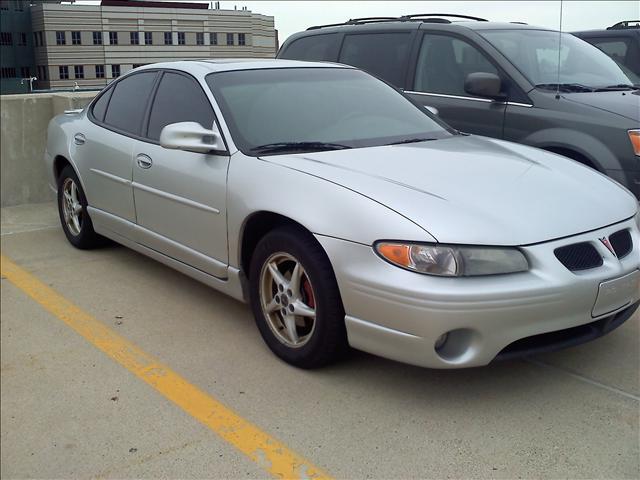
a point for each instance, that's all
(559, 49)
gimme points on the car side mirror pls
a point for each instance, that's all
(482, 84)
(191, 137)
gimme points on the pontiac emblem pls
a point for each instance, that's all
(605, 241)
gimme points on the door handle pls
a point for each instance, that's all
(144, 161)
(79, 139)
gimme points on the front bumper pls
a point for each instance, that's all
(400, 315)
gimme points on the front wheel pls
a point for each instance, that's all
(72, 207)
(295, 299)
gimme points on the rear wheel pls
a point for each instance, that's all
(295, 299)
(72, 207)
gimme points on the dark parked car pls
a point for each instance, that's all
(498, 79)
(620, 41)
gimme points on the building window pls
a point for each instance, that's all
(97, 38)
(75, 38)
(78, 71)
(148, 38)
(213, 38)
(199, 38)
(181, 38)
(135, 38)
(4, 6)
(42, 72)
(22, 39)
(35, 39)
(229, 38)
(61, 38)
(63, 70)
(113, 38)
(115, 71)
(6, 38)
(137, 65)
(18, 7)
(242, 39)
(99, 71)
(8, 72)
(25, 72)
(168, 39)
(41, 38)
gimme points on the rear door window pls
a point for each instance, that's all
(316, 48)
(381, 54)
(191, 105)
(128, 102)
(100, 106)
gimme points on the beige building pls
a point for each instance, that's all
(90, 44)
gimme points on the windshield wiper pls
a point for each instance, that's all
(620, 86)
(565, 87)
(298, 147)
(411, 140)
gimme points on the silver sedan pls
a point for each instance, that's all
(346, 214)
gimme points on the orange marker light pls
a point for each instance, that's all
(396, 253)
(634, 136)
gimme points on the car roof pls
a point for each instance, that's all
(398, 24)
(207, 65)
(618, 32)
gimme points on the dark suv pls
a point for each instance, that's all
(620, 41)
(497, 79)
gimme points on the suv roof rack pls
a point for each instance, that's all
(625, 24)
(425, 17)
(417, 16)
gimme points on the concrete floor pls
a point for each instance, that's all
(67, 410)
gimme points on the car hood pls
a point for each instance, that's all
(475, 190)
(625, 103)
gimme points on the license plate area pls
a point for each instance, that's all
(617, 293)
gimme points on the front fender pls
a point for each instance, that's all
(322, 207)
(586, 145)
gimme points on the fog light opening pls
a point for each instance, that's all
(442, 339)
(455, 345)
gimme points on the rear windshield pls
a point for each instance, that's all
(330, 105)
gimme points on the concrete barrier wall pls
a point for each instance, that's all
(24, 120)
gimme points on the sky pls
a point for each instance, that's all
(293, 16)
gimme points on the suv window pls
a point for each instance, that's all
(444, 63)
(616, 48)
(191, 105)
(381, 54)
(314, 48)
(128, 102)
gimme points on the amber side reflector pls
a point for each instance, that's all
(395, 253)
(634, 136)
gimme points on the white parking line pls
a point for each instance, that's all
(584, 379)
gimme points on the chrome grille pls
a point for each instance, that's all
(621, 243)
(579, 256)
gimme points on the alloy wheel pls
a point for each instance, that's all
(71, 207)
(287, 299)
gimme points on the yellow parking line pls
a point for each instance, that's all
(259, 446)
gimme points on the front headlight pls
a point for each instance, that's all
(452, 261)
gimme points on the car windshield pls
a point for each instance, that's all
(535, 53)
(282, 110)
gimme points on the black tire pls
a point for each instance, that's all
(86, 238)
(328, 340)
